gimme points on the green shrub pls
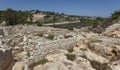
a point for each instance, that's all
(13, 17)
(115, 15)
(68, 36)
(99, 66)
(42, 61)
(71, 28)
(70, 50)
(28, 23)
(71, 57)
(94, 40)
(83, 49)
(10, 16)
(51, 37)
(39, 23)
(40, 34)
(28, 53)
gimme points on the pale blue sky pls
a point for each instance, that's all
(74, 7)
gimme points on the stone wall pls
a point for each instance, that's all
(42, 49)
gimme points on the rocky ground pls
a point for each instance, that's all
(46, 48)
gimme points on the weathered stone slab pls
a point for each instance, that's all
(1, 32)
(6, 59)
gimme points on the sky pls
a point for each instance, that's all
(102, 8)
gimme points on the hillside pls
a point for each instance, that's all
(87, 46)
(13, 17)
(46, 48)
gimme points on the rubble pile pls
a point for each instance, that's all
(46, 48)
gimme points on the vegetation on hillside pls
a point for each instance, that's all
(10, 16)
(94, 22)
(1, 16)
(116, 15)
(13, 17)
(103, 23)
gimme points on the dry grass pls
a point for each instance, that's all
(42, 61)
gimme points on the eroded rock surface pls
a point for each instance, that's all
(6, 59)
(48, 48)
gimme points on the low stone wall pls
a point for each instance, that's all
(43, 49)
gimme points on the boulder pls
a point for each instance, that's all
(18, 66)
(24, 38)
(56, 56)
(38, 67)
(58, 61)
(5, 31)
(6, 59)
(1, 32)
(115, 65)
(112, 28)
(82, 50)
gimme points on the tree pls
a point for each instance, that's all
(10, 16)
(1, 16)
(116, 15)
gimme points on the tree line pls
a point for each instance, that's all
(13, 17)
